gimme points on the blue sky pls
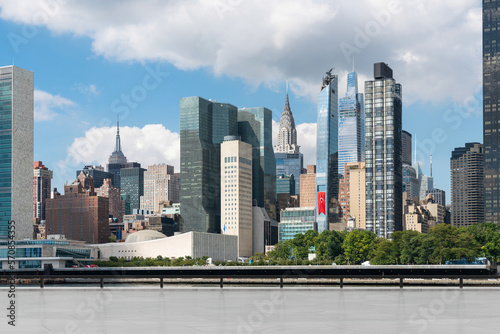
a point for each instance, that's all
(88, 57)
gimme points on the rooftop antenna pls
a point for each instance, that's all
(287, 87)
(431, 164)
(353, 63)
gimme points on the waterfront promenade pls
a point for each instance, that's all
(253, 310)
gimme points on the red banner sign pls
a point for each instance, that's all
(321, 203)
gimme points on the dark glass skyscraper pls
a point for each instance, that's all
(132, 184)
(203, 127)
(351, 125)
(327, 179)
(384, 174)
(255, 128)
(491, 109)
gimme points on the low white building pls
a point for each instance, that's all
(148, 243)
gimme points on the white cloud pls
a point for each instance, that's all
(152, 144)
(46, 105)
(434, 47)
(89, 90)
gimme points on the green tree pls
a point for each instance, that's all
(359, 246)
(385, 253)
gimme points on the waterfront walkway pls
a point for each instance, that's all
(253, 310)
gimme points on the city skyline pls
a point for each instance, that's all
(79, 90)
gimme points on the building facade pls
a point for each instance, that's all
(327, 177)
(98, 174)
(132, 184)
(42, 178)
(236, 192)
(255, 128)
(114, 198)
(289, 160)
(308, 187)
(352, 194)
(384, 179)
(79, 214)
(406, 148)
(467, 188)
(296, 221)
(160, 186)
(491, 113)
(16, 160)
(117, 160)
(411, 185)
(351, 137)
(203, 127)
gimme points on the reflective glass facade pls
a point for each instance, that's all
(295, 221)
(384, 181)
(132, 184)
(255, 128)
(491, 109)
(327, 180)
(5, 153)
(285, 184)
(351, 125)
(290, 164)
(203, 127)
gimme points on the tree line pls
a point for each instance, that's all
(442, 243)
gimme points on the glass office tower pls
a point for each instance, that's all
(203, 127)
(132, 184)
(351, 125)
(327, 180)
(255, 128)
(384, 179)
(16, 147)
(491, 109)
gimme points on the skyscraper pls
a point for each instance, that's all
(132, 184)
(352, 193)
(114, 198)
(97, 173)
(203, 127)
(351, 125)
(255, 128)
(384, 181)
(236, 192)
(117, 159)
(308, 187)
(406, 148)
(467, 190)
(42, 177)
(289, 160)
(491, 113)
(160, 185)
(16, 160)
(327, 180)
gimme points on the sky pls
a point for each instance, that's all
(97, 61)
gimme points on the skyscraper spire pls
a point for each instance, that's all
(287, 135)
(117, 156)
(431, 165)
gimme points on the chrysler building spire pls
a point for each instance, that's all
(287, 135)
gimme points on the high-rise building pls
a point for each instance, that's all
(296, 221)
(384, 179)
(289, 160)
(16, 160)
(308, 187)
(352, 193)
(439, 196)
(160, 185)
(203, 127)
(426, 184)
(114, 196)
(236, 192)
(97, 173)
(255, 128)
(406, 148)
(79, 214)
(132, 184)
(467, 189)
(411, 184)
(491, 113)
(117, 160)
(42, 177)
(351, 141)
(285, 184)
(327, 177)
